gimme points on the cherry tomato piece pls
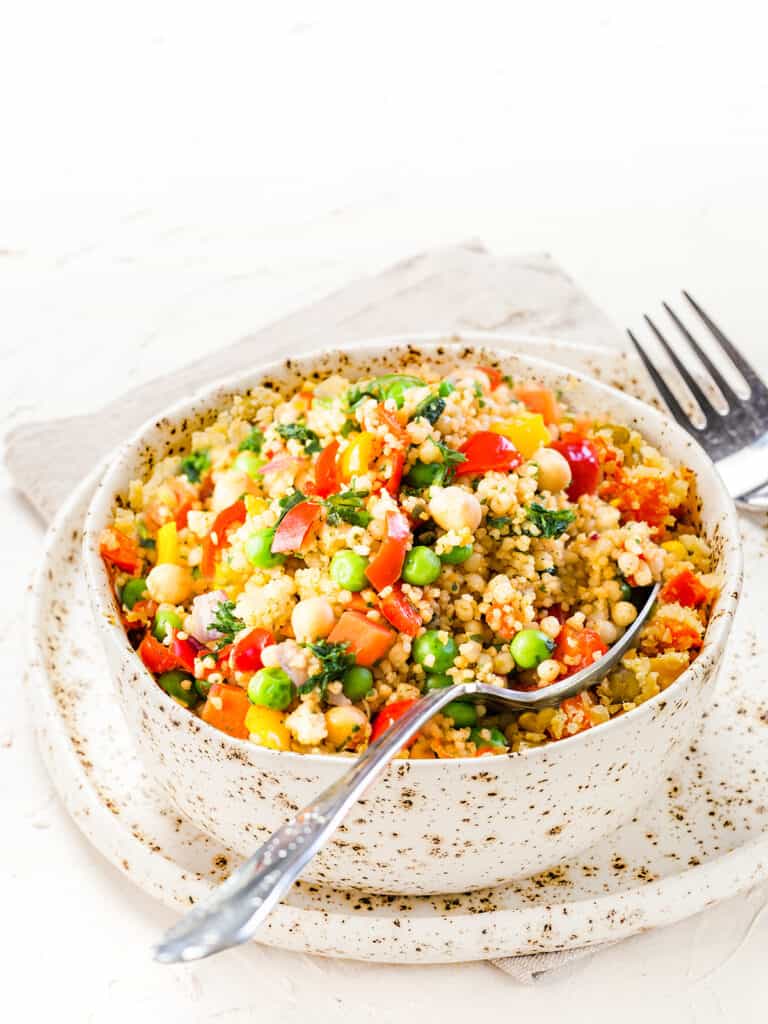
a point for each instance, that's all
(247, 651)
(388, 716)
(486, 451)
(581, 455)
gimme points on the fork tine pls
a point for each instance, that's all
(727, 391)
(745, 369)
(704, 403)
(674, 406)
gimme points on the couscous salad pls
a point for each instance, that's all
(317, 561)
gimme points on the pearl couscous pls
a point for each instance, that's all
(316, 562)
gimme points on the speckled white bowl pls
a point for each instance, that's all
(428, 826)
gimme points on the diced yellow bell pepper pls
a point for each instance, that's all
(676, 548)
(266, 727)
(526, 431)
(167, 544)
(254, 505)
(356, 457)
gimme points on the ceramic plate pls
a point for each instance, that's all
(704, 838)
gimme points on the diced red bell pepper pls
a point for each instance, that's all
(540, 400)
(226, 708)
(156, 656)
(494, 375)
(580, 646)
(119, 550)
(296, 527)
(485, 451)
(229, 517)
(686, 589)
(388, 716)
(247, 651)
(398, 610)
(385, 568)
(326, 471)
(581, 455)
(396, 473)
(184, 651)
(366, 641)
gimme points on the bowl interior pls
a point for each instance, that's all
(169, 433)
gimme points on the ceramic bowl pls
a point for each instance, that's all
(438, 826)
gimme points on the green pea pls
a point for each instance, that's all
(271, 688)
(494, 738)
(530, 647)
(165, 617)
(462, 714)
(422, 475)
(421, 567)
(457, 555)
(203, 686)
(250, 463)
(258, 550)
(438, 682)
(433, 653)
(180, 686)
(348, 570)
(357, 682)
(133, 591)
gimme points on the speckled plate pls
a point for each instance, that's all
(704, 838)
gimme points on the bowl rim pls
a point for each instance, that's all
(102, 598)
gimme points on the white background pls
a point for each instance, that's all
(175, 175)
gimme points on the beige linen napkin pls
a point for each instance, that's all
(460, 287)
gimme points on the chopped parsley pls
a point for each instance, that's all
(334, 662)
(287, 502)
(431, 409)
(253, 443)
(347, 507)
(502, 524)
(195, 464)
(451, 459)
(348, 427)
(550, 522)
(446, 388)
(226, 622)
(300, 432)
(390, 385)
(145, 541)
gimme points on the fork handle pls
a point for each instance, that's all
(233, 912)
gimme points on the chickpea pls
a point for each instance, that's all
(453, 508)
(554, 472)
(624, 613)
(346, 725)
(169, 584)
(230, 487)
(312, 618)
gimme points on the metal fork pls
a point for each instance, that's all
(735, 437)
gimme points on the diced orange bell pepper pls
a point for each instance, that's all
(226, 708)
(156, 656)
(120, 550)
(366, 641)
(541, 400)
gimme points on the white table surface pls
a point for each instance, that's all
(170, 180)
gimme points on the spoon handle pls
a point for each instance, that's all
(233, 912)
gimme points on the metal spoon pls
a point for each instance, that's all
(233, 912)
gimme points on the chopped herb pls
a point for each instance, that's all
(145, 541)
(253, 443)
(477, 389)
(226, 622)
(451, 459)
(550, 522)
(390, 385)
(348, 427)
(195, 464)
(347, 507)
(287, 502)
(300, 432)
(509, 380)
(431, 409)
(446, 388)
(334, 662)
